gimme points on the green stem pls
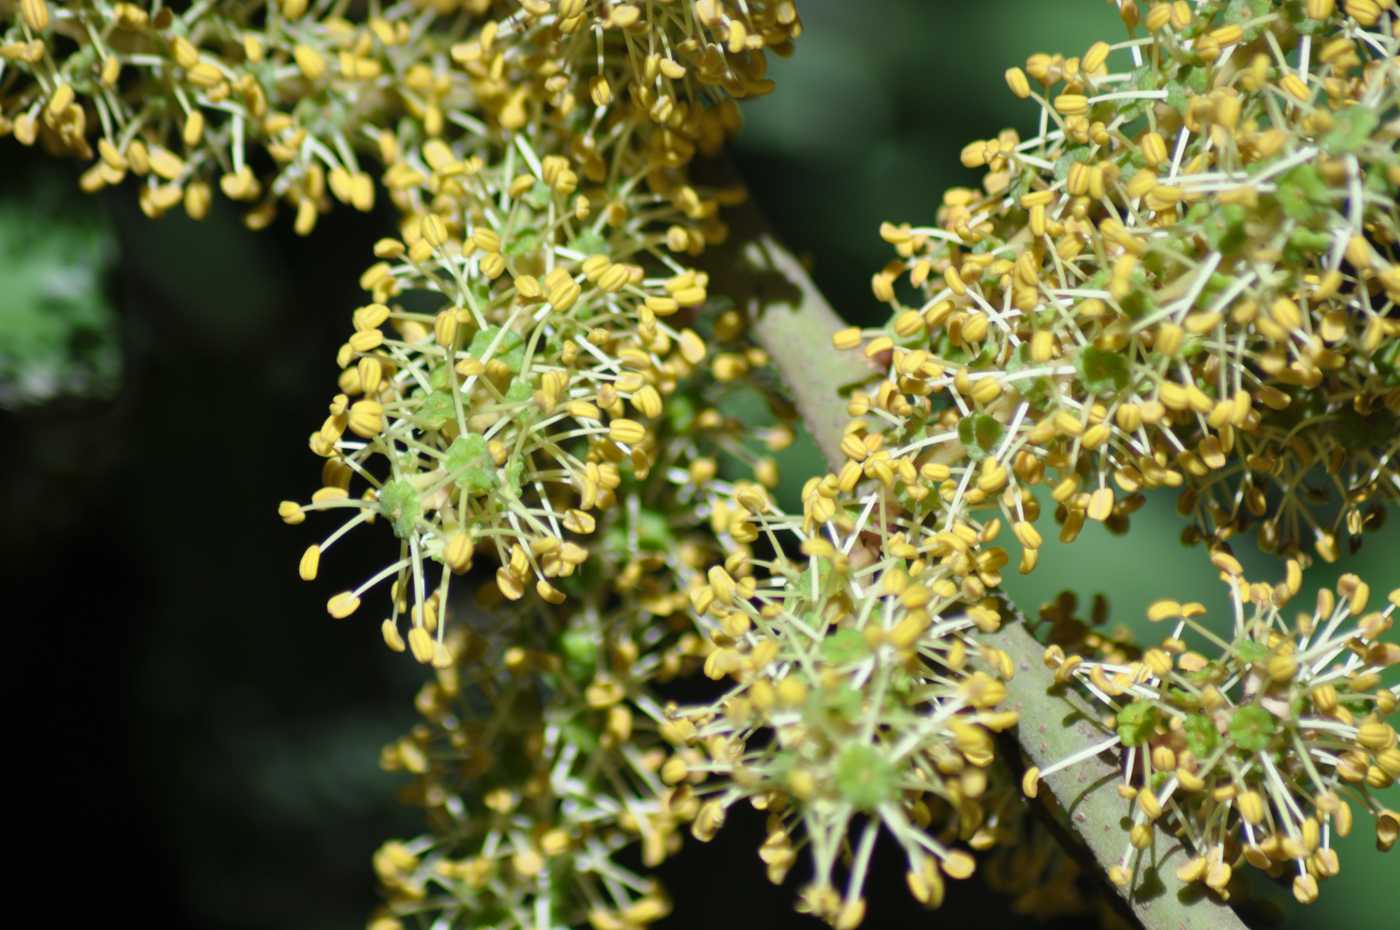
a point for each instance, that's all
(1054, 724)
(792, 321)
(794, 324)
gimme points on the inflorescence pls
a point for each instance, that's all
(1186, 278)
(538, 318)
(859, 701)
(1256, 744)
(546, 745)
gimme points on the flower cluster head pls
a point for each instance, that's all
(858, 700)
(530, 323)
(524, 377)
(499, 415)
(294, 102)
(543, 747)
(263, 102)
(536, 762)
(1256, 745)
(670, 55)
(1184, 278)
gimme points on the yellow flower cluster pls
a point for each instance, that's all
(503, 764)
(501, 412)
(265, 102)
(535, 763)
(530, 322)
(1186, 278)
(294, 102)
(545, 747)
(859, 700)
(1256, 747)
(512, 419)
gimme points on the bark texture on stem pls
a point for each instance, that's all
(1054, 724)
(794, 324)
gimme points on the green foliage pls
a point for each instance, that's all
(470, 465)
(400, 503)
(844, 647)
(1102, 372)
(57, 329)
(864, 777)
(1201, 735)
(979, 435)
(509, 348)
(1135, 722)
(1252, 727)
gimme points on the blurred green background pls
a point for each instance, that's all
(203, 750)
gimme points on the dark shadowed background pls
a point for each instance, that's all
(201, 749)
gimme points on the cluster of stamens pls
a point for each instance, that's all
(1253, 746)
(1186, 278)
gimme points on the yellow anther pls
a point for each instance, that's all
(343, 605)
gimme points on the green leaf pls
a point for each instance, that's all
(1183, 698)
(580, 651)
(1377, 181)
(1144, 77)
(1101, 371)
(582, 733)
(979, 434)
(1252, 728)
(1138, 303)
(1079, 153)
(1216, 283)
(1201, 735)
(1224, 228)
(1135, 722)
(538, 196)
(1242, 11)
(865, 778)
(1176, 96)
(844, 647)
(650, 533)
(680, 412)
(1387, 360)
(435, 411)
(1250, 651)
(469, 463)
(803, 588)
(1301, 192)
(1304, 243)
(589, 243)
(1036, 389)
(1351, 129)
(510, 348)
(58, 333)
(843, 702)
(654, 532)
(400, 504)
(519, 391)
(522, 242)
(515, 473)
